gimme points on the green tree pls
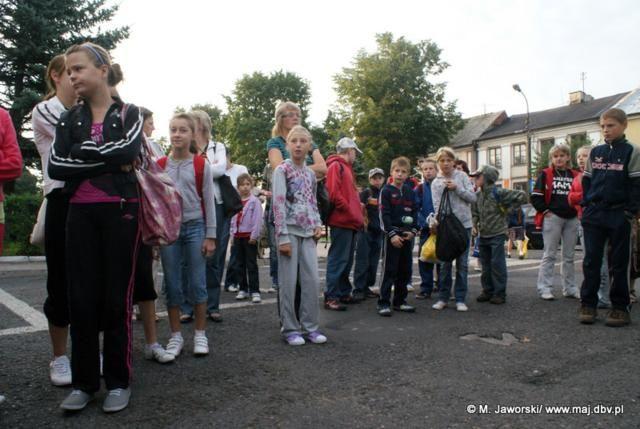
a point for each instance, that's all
(388, 101)
(214, 112)
(251, 105)
(540, 160)
(31, 33)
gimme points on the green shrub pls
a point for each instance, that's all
(20, 216)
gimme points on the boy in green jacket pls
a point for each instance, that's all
(489, 214)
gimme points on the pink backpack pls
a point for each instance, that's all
(160, 213)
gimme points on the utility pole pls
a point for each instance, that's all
(583, 77)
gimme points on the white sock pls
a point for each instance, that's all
(200, 333)
(153, 346)
(176, 334)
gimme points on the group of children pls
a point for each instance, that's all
(98, 267)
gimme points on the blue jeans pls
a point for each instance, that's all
(339, 262)
(426, 269)
(368, 250)
(462, 267)
(187, 248)
(494, 265)
(215, 264)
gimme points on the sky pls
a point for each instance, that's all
(186, 52)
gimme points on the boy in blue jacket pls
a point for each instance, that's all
(611, 201)
(424, 206)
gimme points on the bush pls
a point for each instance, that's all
(20, 216)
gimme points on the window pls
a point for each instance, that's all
(546, 144)
(520, 186)
(519, 154)
(495, 157)
(578, 139)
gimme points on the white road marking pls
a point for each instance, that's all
(32, 316)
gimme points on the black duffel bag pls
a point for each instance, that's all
(230, 197)
(452, 238)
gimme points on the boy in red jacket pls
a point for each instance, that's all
(345, 220)
(10, 161)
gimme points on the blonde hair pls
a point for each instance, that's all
(204, 120)
(281, 110)
(432, 161)
(585, 148)
(55, 65)
(299, 130)
(560, 147)
(445, 151)
(99, 56)
(191, 123)
(401, 162)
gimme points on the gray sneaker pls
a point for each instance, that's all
(116, 400)
(76, 400)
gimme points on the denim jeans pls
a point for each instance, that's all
(339, 262)
(215, 264)
(462, 268)
(187, 248)
(368, 248)
(426, 269)
(494, 265)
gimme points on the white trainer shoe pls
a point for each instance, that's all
(461, 306)
(547, 296)
(60, 371)
(440, 305)
(175, 345)
(158, 353)
(233, 288)
(255, 298)
(200, 345)
(241, 295)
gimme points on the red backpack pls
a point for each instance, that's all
(198, 167)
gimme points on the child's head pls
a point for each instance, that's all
(445, 156)
(400, 168)
(613, 122)
(560, 156)
(182, 132)
(429, 168)
(376, 177)
(147, 121)
(203, 125)
(461, 165)
(582, 154)
(347, 149)
(57, 79)
(298, 143)
(90, 69)
(244, 184)
(287, 116)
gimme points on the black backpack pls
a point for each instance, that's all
(231, 200)
(452, 238)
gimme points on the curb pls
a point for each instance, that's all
(23, 259)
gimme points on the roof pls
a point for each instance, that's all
(474, 127)
(585, 111)
(630, 103)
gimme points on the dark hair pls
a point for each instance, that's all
(100, 56)
(146, 113)
(463, 164)
(616, 114)
(243, 178)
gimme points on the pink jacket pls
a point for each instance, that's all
(10, 156)
(251, 219)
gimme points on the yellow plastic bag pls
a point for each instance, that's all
(525, 247)
(428, 250)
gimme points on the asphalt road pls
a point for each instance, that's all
(428, 369)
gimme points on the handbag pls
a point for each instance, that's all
(454, 240)
(160, 212)
(231, 200)
(37, 235)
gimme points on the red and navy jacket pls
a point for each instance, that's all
(545, 197)
(611, 178)
(398, 210)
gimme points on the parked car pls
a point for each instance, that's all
(534, 234)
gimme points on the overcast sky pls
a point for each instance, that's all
(188, 51)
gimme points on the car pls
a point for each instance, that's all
(534, 234)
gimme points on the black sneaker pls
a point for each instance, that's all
(423, 295)
(497, 300)
(359, 295)
(618, 318)
(371, 294)
(384, 311)
(406, 308)
(483, 297)
(349, 299)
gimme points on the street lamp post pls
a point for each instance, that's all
(527, 130)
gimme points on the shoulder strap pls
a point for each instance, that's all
(496, 196)
(162, 162)
(198, 166)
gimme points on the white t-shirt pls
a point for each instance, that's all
(236, 171)
(44, 119)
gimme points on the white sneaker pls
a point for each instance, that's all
(158, 353)
(1, 399)
(461, 306)
(439, 305)
(200, 345)
(575, 294)
(547, 296)
(255, 298)
(410, 287)
(233, 288)
(175, 344)
(272, 290)
(60, 371)
(241, 295)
